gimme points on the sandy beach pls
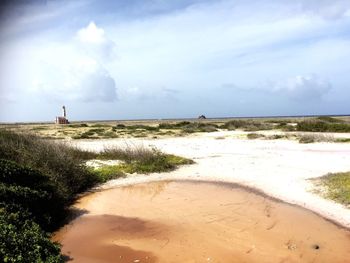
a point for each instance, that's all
(278, 168)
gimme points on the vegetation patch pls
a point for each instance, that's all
(78, 125)
(22, 240)
(277, 136)
(189, 127)
(142, 127)
(171, 126)
(311, 138)
(329, 119)
(247, 125)
(139, 160)
(108, 172)
(342, 140)
(336, 186)
(62, 164)
(322, 126)
(253, 136)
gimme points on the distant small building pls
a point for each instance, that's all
(62, 119)
(201, 117)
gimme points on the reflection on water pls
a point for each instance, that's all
(146, 190)
(198, 222)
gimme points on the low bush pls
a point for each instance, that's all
(120, 126)
(22, 240)
(277, 136)
(108, 172)
(78, 125)
(253, 136)
(138, 160)
(141, 127)
(337, 186)
(141, 156)
(62, 164)
(311, 138)
(189, 127)
(32, 191)
(247, 125)
(322, 126)
(307, 139)
(173, 126)
(100, 125)
(342, 140)
(330, 119)
(29, 205)
(288, 128)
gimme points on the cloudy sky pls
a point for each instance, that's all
(169, 59)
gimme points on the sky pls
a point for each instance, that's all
(141, 59)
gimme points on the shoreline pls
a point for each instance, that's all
(144, 179)
(280, 169)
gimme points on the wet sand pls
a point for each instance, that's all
(198, 222)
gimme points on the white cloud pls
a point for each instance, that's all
(149, 94)
(329, 9)
(308, 87)
(91, 34)
(76, 70)
(75, 83)
(94, 42)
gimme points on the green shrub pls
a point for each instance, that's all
(29, 202)
(337, 186)
(235, 124)
(172, 126)
(138, 160)
(120, 126)
(99, 125)
(322, 126)
(110, 134)
(78, 125)
(157, 162)
(61, 163)
(343, 140)
(311, 138)
(189, 127)
(288, 128)
(253, 136)
(307, 139)
(108, 172)
(277, 136)
(142, 127)
(329, 119)
(29, 189)
(247, 125)
(22, 240)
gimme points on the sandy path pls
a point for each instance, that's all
(279, 168)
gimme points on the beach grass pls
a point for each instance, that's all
(336, 187)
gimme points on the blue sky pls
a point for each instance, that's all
(172, 59)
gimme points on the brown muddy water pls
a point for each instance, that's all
(181, 221)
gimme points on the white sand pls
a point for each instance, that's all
(279, 168)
